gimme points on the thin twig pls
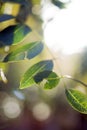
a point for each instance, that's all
(69, 77)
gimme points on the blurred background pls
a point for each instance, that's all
(64, 33)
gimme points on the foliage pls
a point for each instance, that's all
(28, 78)
(28, 51)
(77, 99)
(12, 33)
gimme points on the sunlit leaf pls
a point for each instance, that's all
(51, 79)
(77, 100)
(6, 21)
(20, 32)
(10, 8)
(27, 51)
(28, 77)
(14, 34)
(36, 1)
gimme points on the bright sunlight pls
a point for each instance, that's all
(66, 30)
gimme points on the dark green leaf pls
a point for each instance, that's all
(14, 34)
(6, 21)
(42, 75)
(28, 78)
(58, 3)
(51, 79)
(15, 1)
(77, 100)
(27, 51)
(5, 17)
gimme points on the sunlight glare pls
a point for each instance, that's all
(68, 29)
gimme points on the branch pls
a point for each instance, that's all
(69, 77)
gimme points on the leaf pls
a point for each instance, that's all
(20, 32)
(14, 34)
(27, 51)
(51, 79)
(10, 8)
(42, 75)
(15, 1)
(22, 1)
(28, 78)
(37, 2)
(6, 21)
(5, 17)
(58, 3)
(77, 100)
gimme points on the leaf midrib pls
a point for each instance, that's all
(78, 101)
(18, 29)
(22, 51)
(34, 74)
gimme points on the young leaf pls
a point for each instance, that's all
(28, 78)
(50, 77)
(27, 51)
(14, 34)
(77, 100)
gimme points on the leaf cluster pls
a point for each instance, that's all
(12, 32)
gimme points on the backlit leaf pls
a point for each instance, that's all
(51, 79)
(37, 2)
(6, 21)
(77, 100)
(14, 34)
(27, 51)
(28, 77)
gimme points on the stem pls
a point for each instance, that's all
(2, 75)
(69, 77)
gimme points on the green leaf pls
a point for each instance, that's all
(14, 34)
(20, 32)
(6, 21)
(51, 79)
(28, 78)
(77, 100)
(27, 51)
(59, 3)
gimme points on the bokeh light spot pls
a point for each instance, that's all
(11, 107)
(41, 111)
